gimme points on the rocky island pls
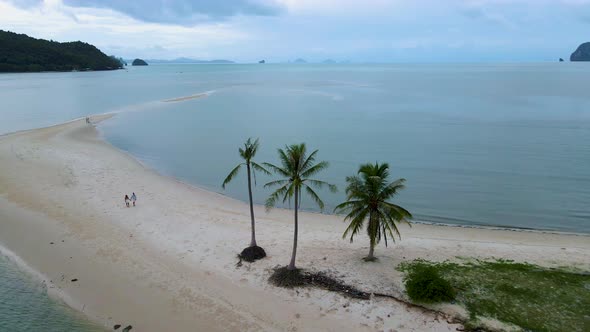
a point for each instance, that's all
(582, 53)
(139, 62)
(21, 53)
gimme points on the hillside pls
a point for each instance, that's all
(21, 53)
(582, 53)
(139, 62)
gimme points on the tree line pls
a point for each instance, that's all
(21, 53)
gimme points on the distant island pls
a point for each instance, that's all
(21, 53)
(299, 60)
(262, 61)
(582, 53)
(191, 61)
(139, 62)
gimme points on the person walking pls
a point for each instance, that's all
(133, 198)
(126, 200)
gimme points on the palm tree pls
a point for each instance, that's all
(296, 168)
(367, 199)
(247, 153)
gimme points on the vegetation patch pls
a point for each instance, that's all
(529, 296)
(252, 254)
(424, 284)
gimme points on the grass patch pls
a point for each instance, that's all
(528, 296)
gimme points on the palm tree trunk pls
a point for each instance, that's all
(294, 254)
(372, 235)
(253, 240)
(371, 250)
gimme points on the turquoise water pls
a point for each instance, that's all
(503, 145)
(25, 306)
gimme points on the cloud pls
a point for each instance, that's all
(25, 3)
(183, 12)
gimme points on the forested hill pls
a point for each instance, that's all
(21, 53)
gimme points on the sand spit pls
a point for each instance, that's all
(169, 264)
(185, 98)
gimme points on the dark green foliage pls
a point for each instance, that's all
(248, 153)
(529, 296)
(296, 170)
(252, 254)
(368, 196)
(21, 53)
(288, 278)
(424, 284)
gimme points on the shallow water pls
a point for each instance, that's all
(480, 144)
(25, 305)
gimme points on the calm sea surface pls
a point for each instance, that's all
(479, 144)
(505, 145)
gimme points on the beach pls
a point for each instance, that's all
(170, 262)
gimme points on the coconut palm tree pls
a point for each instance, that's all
(247, 153)
(297, 168)
(368, 195)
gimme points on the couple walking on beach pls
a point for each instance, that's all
(129, 200)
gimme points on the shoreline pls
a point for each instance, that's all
(418, 222)
(164, 263)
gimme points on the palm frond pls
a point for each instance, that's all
(272, 199)
(276, 183)
(321, 184)
(308, 162)
(314, 196)
(347, 206)
(277, 169)
(356, 223)
(313, 170)
(231, 175)
(367, 194)
(400, 211)
(259, 168)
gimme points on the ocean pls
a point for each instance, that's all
(499, 145)
(496, 145)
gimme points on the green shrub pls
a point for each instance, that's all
(424, 284)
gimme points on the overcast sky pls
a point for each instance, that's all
(282, 30)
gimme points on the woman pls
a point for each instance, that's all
(133, 198)
(126, 200)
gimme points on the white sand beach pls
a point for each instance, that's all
(169, 264)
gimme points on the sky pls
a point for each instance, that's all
(415, 31)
